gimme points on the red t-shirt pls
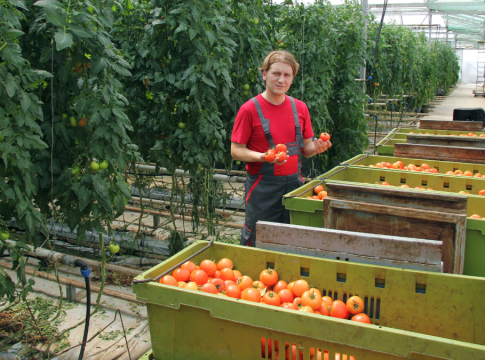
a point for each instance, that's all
(248, 130)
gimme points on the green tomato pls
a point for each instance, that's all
(76, 170)
(246, 93)
(113, 8)
(2, 138)
(104, 164)
(238, 163)
(64, 116)
(181, 125)
(94, 166)
(246, 87)
(281, 45)
(4, 235)
(234, 74)
(113, 248)
(91, 9)
(72, 121)
(256, 21)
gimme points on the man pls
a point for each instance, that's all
(269, 119)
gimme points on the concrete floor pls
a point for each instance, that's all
(460, 97)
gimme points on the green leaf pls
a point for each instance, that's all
(10, 84)
(192, 34)
(79, 31)
(125, 190)
(210, 36)
(13, 34)
(120, 69)
(105, 113)
(171, 78)
(48, 4)
(101, 189)
(18, 4)
(98, 64)
(208, 81)
(25, 101)
(55, 17)
(63, 40)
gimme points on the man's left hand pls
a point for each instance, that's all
(321, 146)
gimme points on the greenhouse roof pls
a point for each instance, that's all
(461, 22)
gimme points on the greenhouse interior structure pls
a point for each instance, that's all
(228, 179)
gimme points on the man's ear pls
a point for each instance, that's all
(264, 75)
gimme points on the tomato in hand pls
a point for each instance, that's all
(363, 318)
(355, 305)
(269, 155)
(339, 310)
(325, 136)
(280, 148)
(268, 277)
(281, 156)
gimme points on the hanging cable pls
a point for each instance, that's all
(377, 42)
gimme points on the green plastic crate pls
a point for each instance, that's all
(308, 212)
(419, 315)
(386, 145)
(442, 166)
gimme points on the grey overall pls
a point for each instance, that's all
(264, 191)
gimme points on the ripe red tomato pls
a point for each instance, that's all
(306, 309)
(355, 305)
(251, 294)
(199, 277)
(322, 195)
(425, 166)
(227, 274)
(325, 136)
(297, 302)
(280, 285)
(189, 265)
(233, 291)
(300, 287)
(237, 274)
(209, 267)
(286, 295)
(328, 300)
(281, 156)
(209, 288)
(280, 147)
(181, 284)
(229, 282)
(181, 275)
(339, 310)
(289, 305)
(224, 263)
(269, 155)
(271, 298)
(258, 285)
(191, 286)
(268, 277)
(312, 299)
(363, 318)
(318, 189)
(219, 284)
(168, 280)
(323, 309)
(481, 192)
(245, 282)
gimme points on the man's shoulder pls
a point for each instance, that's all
(248, 106)
(298, 102)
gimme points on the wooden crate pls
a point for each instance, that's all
(443, 153)
(445, 140)
(394, 212)
(451, 125)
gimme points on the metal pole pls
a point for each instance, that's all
(430, 18)
(365, 11)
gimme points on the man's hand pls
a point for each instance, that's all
(321, 146)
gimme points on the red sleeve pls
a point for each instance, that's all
(242, 129)
(307, 131)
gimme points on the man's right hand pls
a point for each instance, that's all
(275, 161)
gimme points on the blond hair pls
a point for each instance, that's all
(280, 56)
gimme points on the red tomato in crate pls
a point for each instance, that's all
(355, 304)
(268, 277)
(339, 310)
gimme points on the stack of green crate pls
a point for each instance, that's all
(386, 145)
(309, 212)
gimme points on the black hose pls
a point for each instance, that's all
(85, 272)
(88, 315)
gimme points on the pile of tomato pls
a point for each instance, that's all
(469, 134)
(320, 193)
(222, 279)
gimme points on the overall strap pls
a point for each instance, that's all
(299, 136)
(265, 123)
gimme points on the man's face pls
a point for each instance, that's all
(279, 78)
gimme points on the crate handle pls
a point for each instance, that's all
(175, 266)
